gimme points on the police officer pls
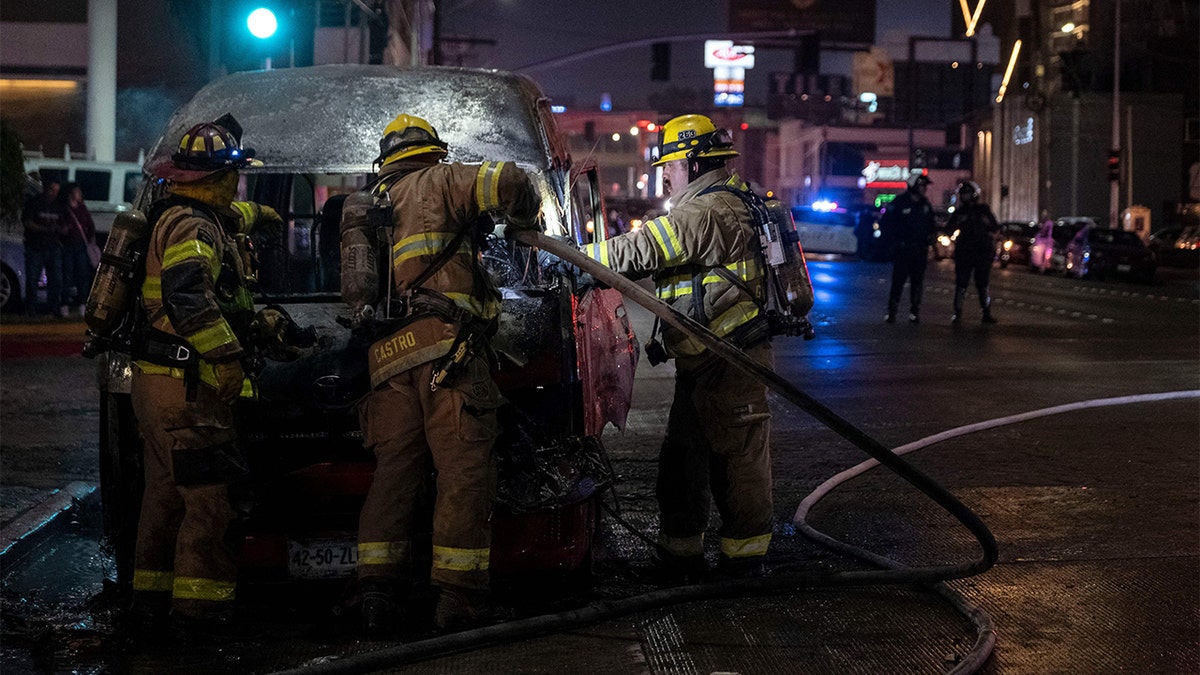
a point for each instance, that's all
(187, 373)
(909, 225)
(706, 261)
(974, 250)
(433, 397)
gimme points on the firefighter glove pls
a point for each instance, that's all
(259, 219)
(229, 379)
(275, 332)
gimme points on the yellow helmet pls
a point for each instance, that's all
(691, 136)
(407, 136)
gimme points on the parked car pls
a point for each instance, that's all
(824, 227)
(1177, 246)
(12, 272)
(566, 353)
(943, 241)
(1016, 239)
(1048, 252)
(1098, 252)
(108, 187)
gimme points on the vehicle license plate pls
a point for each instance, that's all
(1124, 268)
(321, 558)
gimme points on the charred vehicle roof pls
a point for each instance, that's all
(327, 119)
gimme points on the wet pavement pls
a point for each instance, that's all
(1095, 511)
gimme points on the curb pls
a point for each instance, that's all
(16, 534)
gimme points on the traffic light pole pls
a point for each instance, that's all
(1114, 192)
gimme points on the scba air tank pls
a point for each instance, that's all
(121, 271)
(783, 252)
(360, 252)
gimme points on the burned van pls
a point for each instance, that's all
(566, 352)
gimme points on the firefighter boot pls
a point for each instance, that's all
(379, 607)
(678, 570)
(752, 567)
(960, 294)
(985, 301)
(460, 608)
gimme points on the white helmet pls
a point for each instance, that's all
(969, 188)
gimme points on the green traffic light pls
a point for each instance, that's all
(262, 23)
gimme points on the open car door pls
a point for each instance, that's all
(606, 345)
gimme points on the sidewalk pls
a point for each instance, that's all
(27, 337)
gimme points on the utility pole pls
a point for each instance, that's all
(1114, 192)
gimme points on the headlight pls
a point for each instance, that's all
(1008, 245)
(944, 240)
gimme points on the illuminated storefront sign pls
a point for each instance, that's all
(1023, 133)
(723, 53)
(729, 63)
(886, 174)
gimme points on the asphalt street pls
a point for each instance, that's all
(1088, 478)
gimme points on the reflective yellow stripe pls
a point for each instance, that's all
(191, 249)
(668, 240)
(482, 309)
(461, 559)
(487, 186)
(733, 317)
(597, 252)
(152, 580)
(195, 588)
(247, 212)
(426, 243)
(382, 552)
(207, 376)
(679, 285)
(216, 335)
(682, 546)
(745, 548)
(152, 288)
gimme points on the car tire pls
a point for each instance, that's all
(10, 291)
(121, 481)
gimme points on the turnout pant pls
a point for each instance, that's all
(408, 425)
(183, 556)
(717, 446)
(977, 266)
(909, 266)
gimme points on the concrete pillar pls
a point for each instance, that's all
(102, 80)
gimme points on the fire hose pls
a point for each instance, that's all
(599, 611)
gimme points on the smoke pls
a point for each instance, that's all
(142, 112)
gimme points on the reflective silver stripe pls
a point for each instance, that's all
(487, 185)
(660, 228)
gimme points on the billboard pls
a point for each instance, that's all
(835, 21)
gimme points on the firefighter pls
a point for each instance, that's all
(187, 373)
(433, 400)
(974, 250)
(706, 261)
(908, 224)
